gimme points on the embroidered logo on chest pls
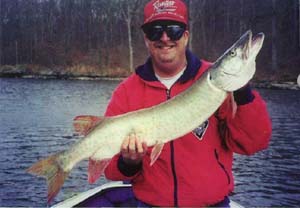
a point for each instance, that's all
(200, 130)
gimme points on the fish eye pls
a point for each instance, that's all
(232, 53)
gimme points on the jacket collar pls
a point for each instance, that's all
(146, 71)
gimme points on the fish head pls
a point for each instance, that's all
(236, 66)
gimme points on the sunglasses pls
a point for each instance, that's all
(155, 32)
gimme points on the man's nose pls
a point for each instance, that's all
(164, 37)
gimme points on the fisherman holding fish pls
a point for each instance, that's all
(171, 128)
(195, 170)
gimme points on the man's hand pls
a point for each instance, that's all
(133, 150)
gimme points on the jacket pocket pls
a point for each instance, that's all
(222, 166)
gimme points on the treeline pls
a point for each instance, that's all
(106, 34)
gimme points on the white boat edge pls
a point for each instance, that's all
(71, 202)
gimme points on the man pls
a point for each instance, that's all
(196, 169)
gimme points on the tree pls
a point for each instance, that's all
(129, 9)
(196, 9)
(274, 37)
(1, 20)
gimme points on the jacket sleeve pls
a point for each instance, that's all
(117, 169)
(248, 130)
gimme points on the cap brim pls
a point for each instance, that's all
(164, 19)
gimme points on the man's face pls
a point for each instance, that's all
(167, 47)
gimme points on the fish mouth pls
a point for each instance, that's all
(257, 38)
(246, 44)
(251, 44)
(257, 42)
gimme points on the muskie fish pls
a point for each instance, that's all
(161, 123)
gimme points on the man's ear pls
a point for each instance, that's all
(146, 41)
(186, 36)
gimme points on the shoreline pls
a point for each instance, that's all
(276, 85)
(93, 73)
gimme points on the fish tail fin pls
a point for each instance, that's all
(96, 168)
(54, 174)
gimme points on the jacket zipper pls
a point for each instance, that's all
(175, 192)
(168, 91)
(222, 166)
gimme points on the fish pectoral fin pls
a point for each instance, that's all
(54, 174)
(84, 123)
(233, 105)
(156, 151)
(96, 168)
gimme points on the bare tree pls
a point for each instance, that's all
(196, 15)
(128, 9)
(274, 37)
(1, 22)
(242, 14)
(191, 24)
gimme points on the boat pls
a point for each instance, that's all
(111, 194)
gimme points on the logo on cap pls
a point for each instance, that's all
(164, 6)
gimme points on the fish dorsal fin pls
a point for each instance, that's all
(84, 123)
(156, 151)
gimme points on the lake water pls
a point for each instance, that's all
(36, 120)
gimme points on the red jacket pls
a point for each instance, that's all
(193, 170)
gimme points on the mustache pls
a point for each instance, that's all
(165, 44)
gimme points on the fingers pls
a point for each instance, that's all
(132, 144)
(139, 146)
(145, 147)
(133, 149)
(124, 146)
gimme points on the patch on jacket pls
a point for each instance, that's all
(200, 130)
